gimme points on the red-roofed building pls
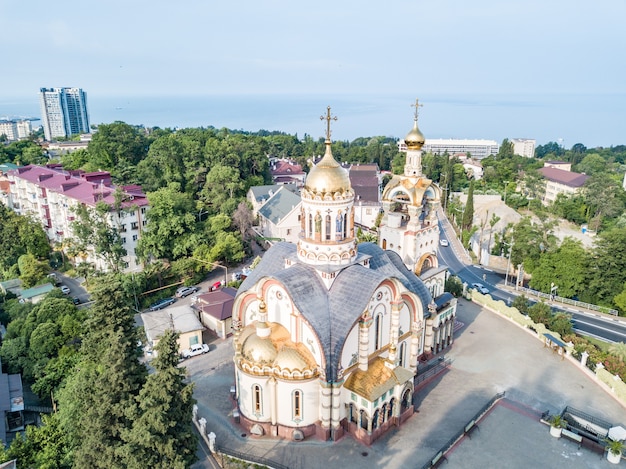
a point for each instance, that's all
(560, 181)
(366, 183)
(50, 193)
(286, 171)
(215, 310)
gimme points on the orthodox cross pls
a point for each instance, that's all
(328, 118)
(416, 106)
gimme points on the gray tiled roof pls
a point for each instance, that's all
(279, 205)
(332, 313)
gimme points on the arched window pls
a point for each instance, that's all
(256, 398)
(297, 405)
(328, 227)
(384, 244)
(345, 225)
(403, 354)
(310, 225)
(378, 330)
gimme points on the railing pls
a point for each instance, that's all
(468, 427)
(247, 458)
(569, 301)
(431, 370)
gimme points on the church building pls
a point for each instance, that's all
(328, 334)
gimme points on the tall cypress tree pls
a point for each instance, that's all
(161, 435)
(468, 213)
(97, 403)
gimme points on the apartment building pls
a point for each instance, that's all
(63, 112)
(51, 194)
(524, 147)
(478, 149)
(559, 179)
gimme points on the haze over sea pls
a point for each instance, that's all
(593, 120)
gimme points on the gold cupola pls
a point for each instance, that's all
(415, 138)
(327, 176)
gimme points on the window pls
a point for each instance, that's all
(143, 209)
(193, 340)
(256, 398)
(378, 333)
(122, 228)
(144, 222)
(297, 405)
(134, 237)
(123, 240)
(134, 225)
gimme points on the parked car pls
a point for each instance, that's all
(216, 286)
(197, 349)
(444, 243)
(65, 289)
(185, 291)
(54, 279)
(76, 300)
(162, 303)
(481, 288)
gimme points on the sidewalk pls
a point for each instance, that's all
(490, 355)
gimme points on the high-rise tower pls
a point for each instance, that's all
(64, 112)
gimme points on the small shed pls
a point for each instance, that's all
(215, 310)
(36, 294)
(180, 318)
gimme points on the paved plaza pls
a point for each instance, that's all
(490, 355)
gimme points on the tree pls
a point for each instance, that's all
(98, 401)
(620, 300)
(117, 148)
(93, 232)
(223, 183)
(171, 220)
(540, 313)
(32, 271)
(468, 212)
(521, 303)
(243, 219)
(161, 435)
(566, 267)
(604, 198)
(608, 266)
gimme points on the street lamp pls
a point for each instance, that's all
(216, 265)
(508, 264)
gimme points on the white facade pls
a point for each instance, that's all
(366, 213)
(524, 147)
(479, 149)
(51, 196)
(9, 129)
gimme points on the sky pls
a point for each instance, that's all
(490, 53)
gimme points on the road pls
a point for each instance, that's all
(602, 326)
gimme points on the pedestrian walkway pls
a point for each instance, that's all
(489, 355)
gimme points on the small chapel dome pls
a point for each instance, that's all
(259, 349)
(415, 138)
(290, 359)
(327, 176)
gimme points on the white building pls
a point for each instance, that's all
(328, 334)
(524, 147)
(366, 181)
(478, 149)
(279, 216)
(8, 128)
(50, 194)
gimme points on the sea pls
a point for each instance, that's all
(595, 120)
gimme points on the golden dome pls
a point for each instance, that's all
(259, 349)
(290, 359)
(327, 176)
(415, 138)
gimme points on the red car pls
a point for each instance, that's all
(216, 286)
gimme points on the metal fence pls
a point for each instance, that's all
(431, 370)
(452, 441)
(568, 301)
